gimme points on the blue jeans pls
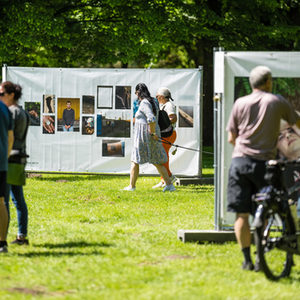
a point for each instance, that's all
(17, 197)
(69, 129)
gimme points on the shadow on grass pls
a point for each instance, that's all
(73, 177)
(197, 188)
(80, 244)
(59, 253)
(73, 249)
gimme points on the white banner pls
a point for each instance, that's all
(236, 67)
(102, 101)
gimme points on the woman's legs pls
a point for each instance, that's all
(164, 173)
(134, 173)
(17, 197)
(3, 222)
(171, 139)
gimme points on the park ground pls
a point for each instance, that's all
(90, 240)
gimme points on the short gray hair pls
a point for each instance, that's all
(259, 76)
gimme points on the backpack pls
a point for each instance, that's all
(164, 123)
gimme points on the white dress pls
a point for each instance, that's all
(145, 148)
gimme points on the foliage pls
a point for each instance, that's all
(92, 33)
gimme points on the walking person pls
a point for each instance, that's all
(169, 135)
(253, 129)
(146, 145)
(18, 155)
(6, 143)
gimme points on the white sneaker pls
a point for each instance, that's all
(3, 249)
(159, 185)
(170, 188)
(129, 188)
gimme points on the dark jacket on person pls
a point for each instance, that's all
(68, 116)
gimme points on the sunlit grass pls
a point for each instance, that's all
(90, 240)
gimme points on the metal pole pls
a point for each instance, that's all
(217, 140)
(4, 72)
(200, 121)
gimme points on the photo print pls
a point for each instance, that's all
(123, 97)
(186, 116)
(289, 88)
(49, 124)
(113, 124)
(99, 125)
(88, 126)
(114, 148)
(34, 112)
(48, 104)
(104, 97)
(88, 105)
(68, 113)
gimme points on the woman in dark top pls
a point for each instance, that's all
(13, 93)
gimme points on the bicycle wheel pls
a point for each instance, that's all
(275, 263)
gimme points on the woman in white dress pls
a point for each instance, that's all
(147, 148)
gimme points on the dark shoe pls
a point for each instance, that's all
(3, 249)
(247, 265)
(20, 242)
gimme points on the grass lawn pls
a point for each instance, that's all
(90, 240)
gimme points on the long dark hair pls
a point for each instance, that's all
(10, 87)
(143, 93)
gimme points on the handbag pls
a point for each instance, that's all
(16, 174)
(16, 164)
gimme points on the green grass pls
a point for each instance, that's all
(90, 240)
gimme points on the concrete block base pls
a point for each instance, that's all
(205, 236)
(194, 180)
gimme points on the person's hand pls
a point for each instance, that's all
(48, 124)
(154, 136)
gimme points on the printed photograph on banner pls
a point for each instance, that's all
(114, 148)
(88, 105)
(88, 126)
(186, 116)
(113, 124)
(123, 97)
(68, 114)
(99, 125)
(48, 124)
(48, 104)
(289, 88)
(34, 112)
(104, 97)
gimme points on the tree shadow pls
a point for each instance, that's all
(71, 244)
(78, 248)
(76, 177)
(59, 253)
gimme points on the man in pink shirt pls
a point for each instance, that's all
(253, 129)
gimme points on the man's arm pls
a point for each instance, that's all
(10, 141)
(231, 138)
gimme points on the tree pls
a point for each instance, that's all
(140, 33)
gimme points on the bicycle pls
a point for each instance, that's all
(276, 225)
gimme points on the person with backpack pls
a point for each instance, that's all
(147, 147)
(21, 119)
(6, 142)
(168, 132)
